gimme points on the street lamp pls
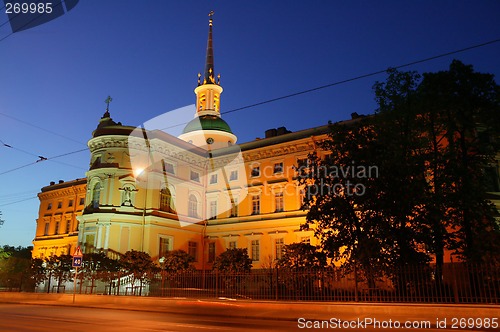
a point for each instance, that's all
(162, 265)
(139, 173)
(44, 265)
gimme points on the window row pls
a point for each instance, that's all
(70, 203)
(166, 245)
(57, 229)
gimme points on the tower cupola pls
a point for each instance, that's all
(208, 129)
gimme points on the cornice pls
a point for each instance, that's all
(63, 193)
(278, 150)
(166, 150)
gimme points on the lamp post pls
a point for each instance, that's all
(162, 265)
(139, 173)
(45, 265)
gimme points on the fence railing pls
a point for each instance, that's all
(455, 283)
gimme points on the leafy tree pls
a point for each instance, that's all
(15, 265)
(429, 142)
(234, 260)
(38, 274)
(177, 261)
(402, 182)
(60, 267)
(302, 256)
(341, 197)
(98, 266)
(462, 118)
(140, 265)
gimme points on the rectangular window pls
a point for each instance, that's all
(279, 244)
(49, 206)
(213, 179)
(234, 208)
(70, 203)
(491, 177)
(233, 176)
(169, 168)
(213, 210)
(211, 252)
(56, 231)
(165, 246)
(195, 176)
(59, 205)
(278, 200)
(255, 250)
(68, 226)
(255, 171)
(256, 204)
(302, 162)
(278, 168)
(232, 245)
(46, 230)
(82, 200)
(193, 250)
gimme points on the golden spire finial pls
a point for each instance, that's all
(210, 19)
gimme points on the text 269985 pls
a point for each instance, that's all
(25, 8)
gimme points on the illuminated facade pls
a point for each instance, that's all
(200, 192)
(57, 227)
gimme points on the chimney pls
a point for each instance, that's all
(283, 131)
(271, 133)
(61, 181)
(52, 183)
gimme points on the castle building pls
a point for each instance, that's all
(200, 192)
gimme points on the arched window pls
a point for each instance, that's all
(96, 195)
(193, 206)
(166, 202)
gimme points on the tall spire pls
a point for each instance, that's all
(208, 130)
(209, 75)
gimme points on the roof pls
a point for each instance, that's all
(207, 122)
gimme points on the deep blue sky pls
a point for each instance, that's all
(146, 55)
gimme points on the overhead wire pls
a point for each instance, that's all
(381, 71)
(19, 201)
(40, 128)
(44, 159)
(27, 23)
(277, 98)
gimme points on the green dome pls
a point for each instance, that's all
(207, 122)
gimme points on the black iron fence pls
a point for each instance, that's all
(454, 283)
(457, 283)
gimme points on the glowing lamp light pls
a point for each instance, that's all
(138, 171)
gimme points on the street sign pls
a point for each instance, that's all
(78, 252)
(77, 261)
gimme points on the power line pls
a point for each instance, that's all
(44, 159)
(352, 79)
(364, 76)
(22, 200)
(27, 23)
(40, 128)
(277, 98)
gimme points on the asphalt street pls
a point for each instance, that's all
(32, 318)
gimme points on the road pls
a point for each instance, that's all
(23, 317)
(34, 318)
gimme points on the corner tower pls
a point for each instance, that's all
(208, 129)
